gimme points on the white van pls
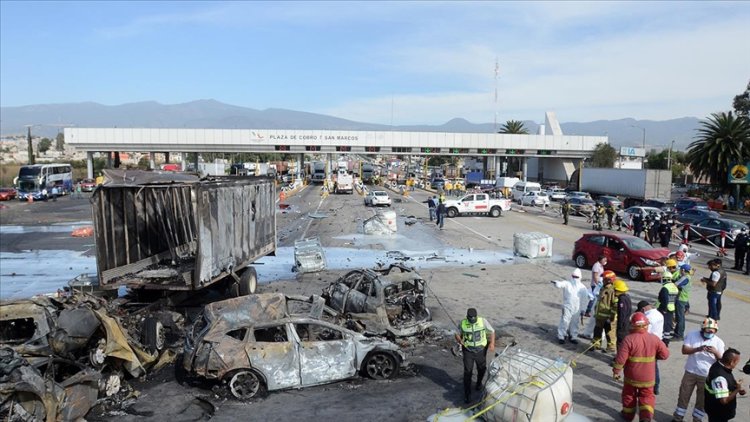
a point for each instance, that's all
(522, 188)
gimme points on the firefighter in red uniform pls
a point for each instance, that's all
(637, 355)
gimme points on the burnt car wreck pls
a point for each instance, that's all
(59, 356)
(386, 301)
(269, 342)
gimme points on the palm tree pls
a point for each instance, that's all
(722, 140)
(514, 126)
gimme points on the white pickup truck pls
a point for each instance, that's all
(476, 203)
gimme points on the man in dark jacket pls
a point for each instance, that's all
(624, 309)
(637, 224)
(740, 249)
(721, 389)
(431, 205)
(441, 214)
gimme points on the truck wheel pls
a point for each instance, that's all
(248, 281)
(452, 212)
(154, 335)
(495, 212)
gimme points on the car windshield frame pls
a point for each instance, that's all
(635, 243)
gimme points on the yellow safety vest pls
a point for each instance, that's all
(672, 291)
(474, 335)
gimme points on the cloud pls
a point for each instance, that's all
(667, 72)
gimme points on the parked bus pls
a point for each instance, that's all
(38, 179)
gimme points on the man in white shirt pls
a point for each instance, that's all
(655, 327)
(703, 348)
(596, 280)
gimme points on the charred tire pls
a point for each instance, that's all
(245, 384)
(496, 212)
(248, 281)
(380, 366)
(233, 288)
(154, 334)
(580, 260)
(452, 212)
(634, 272)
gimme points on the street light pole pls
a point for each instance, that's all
(643, 159)
(669, 156)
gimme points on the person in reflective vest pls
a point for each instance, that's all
(476, 336)
(637, 358)
(667, 300)
(715, 285)
(683, 300)
(606, 313)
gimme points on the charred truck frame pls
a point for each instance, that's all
(176, 232)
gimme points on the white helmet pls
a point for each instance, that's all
(683, 247)
(576, 273)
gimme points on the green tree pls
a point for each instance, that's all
(439, 160)
(514, 126)
(742, 103)
(722, 140)
(604, 156)
(60, 142)
(44, 145)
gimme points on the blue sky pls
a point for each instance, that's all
(384, 62)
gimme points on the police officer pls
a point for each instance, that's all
(476, 336)
(667, 300)
(565, 211)
(740, 249)
(611, 210)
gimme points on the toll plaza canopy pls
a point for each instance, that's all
(330, 141)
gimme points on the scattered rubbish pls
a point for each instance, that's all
(470, 275)
(532, 245)
(309, 256)
(317, 215)
(86, 231)
(386, 301)
(382, 223)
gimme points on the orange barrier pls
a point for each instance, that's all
(86, 231)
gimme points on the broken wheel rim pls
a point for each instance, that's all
(380, 366)
(244, 385)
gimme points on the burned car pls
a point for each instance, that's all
(258, 343)
(387, 301)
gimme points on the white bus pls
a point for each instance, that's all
(38, 180)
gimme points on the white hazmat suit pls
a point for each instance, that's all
(575, 295)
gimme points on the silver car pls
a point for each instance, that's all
(270, 341)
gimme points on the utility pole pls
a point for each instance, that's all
(669, 156)
(31, 148)
(497, 73)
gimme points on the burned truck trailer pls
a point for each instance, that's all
(177, 232)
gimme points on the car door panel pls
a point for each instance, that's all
(278, 361)
(324, 358)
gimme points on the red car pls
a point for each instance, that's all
(625, 254)
(6, 194)
(88, 185)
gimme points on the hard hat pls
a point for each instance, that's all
(576, 273)
(639, 320)
(710, 323)
(683, 248)
(670, 263)
(680, 255)
(608, 275)
(621, 286)
(686, 267)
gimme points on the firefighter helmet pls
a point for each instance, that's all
(609, 275)
(710, 323)
(639, 320)
(670, 263)
(621, 286)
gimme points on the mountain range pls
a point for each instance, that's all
(48, 119)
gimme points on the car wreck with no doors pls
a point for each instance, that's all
(270, 341)
(387, 301)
